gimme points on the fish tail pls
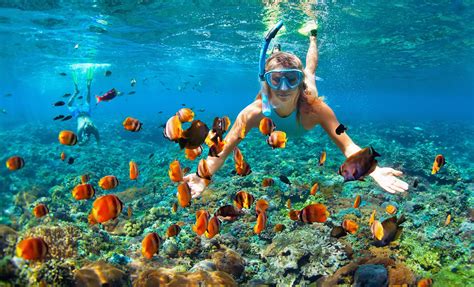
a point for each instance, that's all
(401, 219)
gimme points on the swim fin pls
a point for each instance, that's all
(309, 28)
(74, 77)
(90, 74)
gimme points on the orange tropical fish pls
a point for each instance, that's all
(267, 182)
(242, 168)
(108, 182)
(83, 191)
(372, 218)
(185, 115)
(85, 178)
(314, 213)
(192, 154)
(261, 223)
(202, 219)
(175, 172)
(15, 163)
(377, 230)
(228, 212)
(32, 249)
(448, 219)
(288, 203)
(217, 148)
(322, 158)
(314, 189)
(40, 210)
(173, 230)
(67, 138)
(173, 129)
(105, 208)
(63, 156)
(174, 208)
(243, 199)
(184, 195)
(131, 124)
(129, 212)
(350, 226)
(277, 139)
(438, 163)
(261, 205)
(390, 209)
(133, 170)
(150, 245)
(294, 214)
(203, 170)
(279, 227)
(357, 201)
(213, 227)
(425, 282)
(266, 126)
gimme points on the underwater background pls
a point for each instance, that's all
(399, 75)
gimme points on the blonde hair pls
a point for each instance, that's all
(290, 61)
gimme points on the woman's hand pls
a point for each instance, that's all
(196, 184)
(386, 178)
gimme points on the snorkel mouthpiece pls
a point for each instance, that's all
(266, 109)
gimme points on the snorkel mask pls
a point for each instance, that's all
(266, 109)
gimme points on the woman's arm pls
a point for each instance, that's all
(312, 56)
(384, 176)
(247, 119)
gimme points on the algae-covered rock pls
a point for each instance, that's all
(303, 255)
(229, 261)
(169, 278)
(101, 274)
(371, 275)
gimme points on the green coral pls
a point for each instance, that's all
(454, 276)
(421, 258)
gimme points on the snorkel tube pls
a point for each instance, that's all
(266, 109)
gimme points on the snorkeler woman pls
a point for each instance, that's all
(290, 98)
(82, 111)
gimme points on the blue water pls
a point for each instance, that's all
(399, 75)
(397, 61)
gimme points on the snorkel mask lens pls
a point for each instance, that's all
(290, 77)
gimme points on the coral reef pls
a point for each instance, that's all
(62, 240)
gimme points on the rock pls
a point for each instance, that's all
(229, 261)
(170, 248)
(167, 277)
(100, 274)
(371, 275)
(204, 265)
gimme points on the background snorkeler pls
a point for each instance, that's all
(82, 111)
(289, 93)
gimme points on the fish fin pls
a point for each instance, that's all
(182, 143)
(98, 99)
(373, 152)
(398, 234)
(401, 219)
